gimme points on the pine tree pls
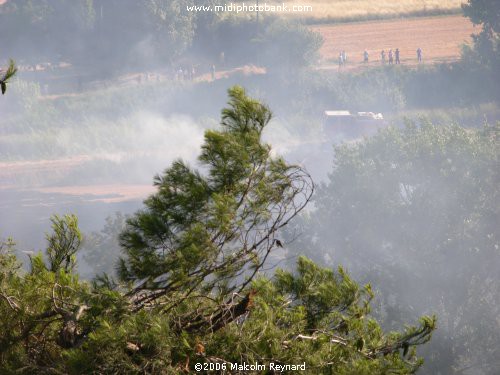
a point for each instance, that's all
(212, 229)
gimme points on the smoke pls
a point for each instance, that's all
(79, 137)
(142, 134)
(105, 167)
(280, 138)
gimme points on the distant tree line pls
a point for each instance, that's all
(120, 34)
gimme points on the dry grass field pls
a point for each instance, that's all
(440, 38)
(363, 9)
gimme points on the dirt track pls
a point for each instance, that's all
(439, 37)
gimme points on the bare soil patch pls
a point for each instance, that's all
(440, 39)
(107, 193)
(103, 193)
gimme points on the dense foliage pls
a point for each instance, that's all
(485, 53)
(103, 37)
(100, 250)
(193, 288)
(94, 32)
(415, 211)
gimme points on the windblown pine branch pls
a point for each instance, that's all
(11, 71)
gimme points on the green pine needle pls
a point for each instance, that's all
(11, 71)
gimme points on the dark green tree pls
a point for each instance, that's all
(415, 212)
(287, 45)
(483, 12)
(486, 14)
(173, 27)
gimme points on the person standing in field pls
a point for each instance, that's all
(344, 57)
(213, 72)
(365, 56)
(391, 57)
(382, 57)
(419, 54)
(397, 56)
(341, 60)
